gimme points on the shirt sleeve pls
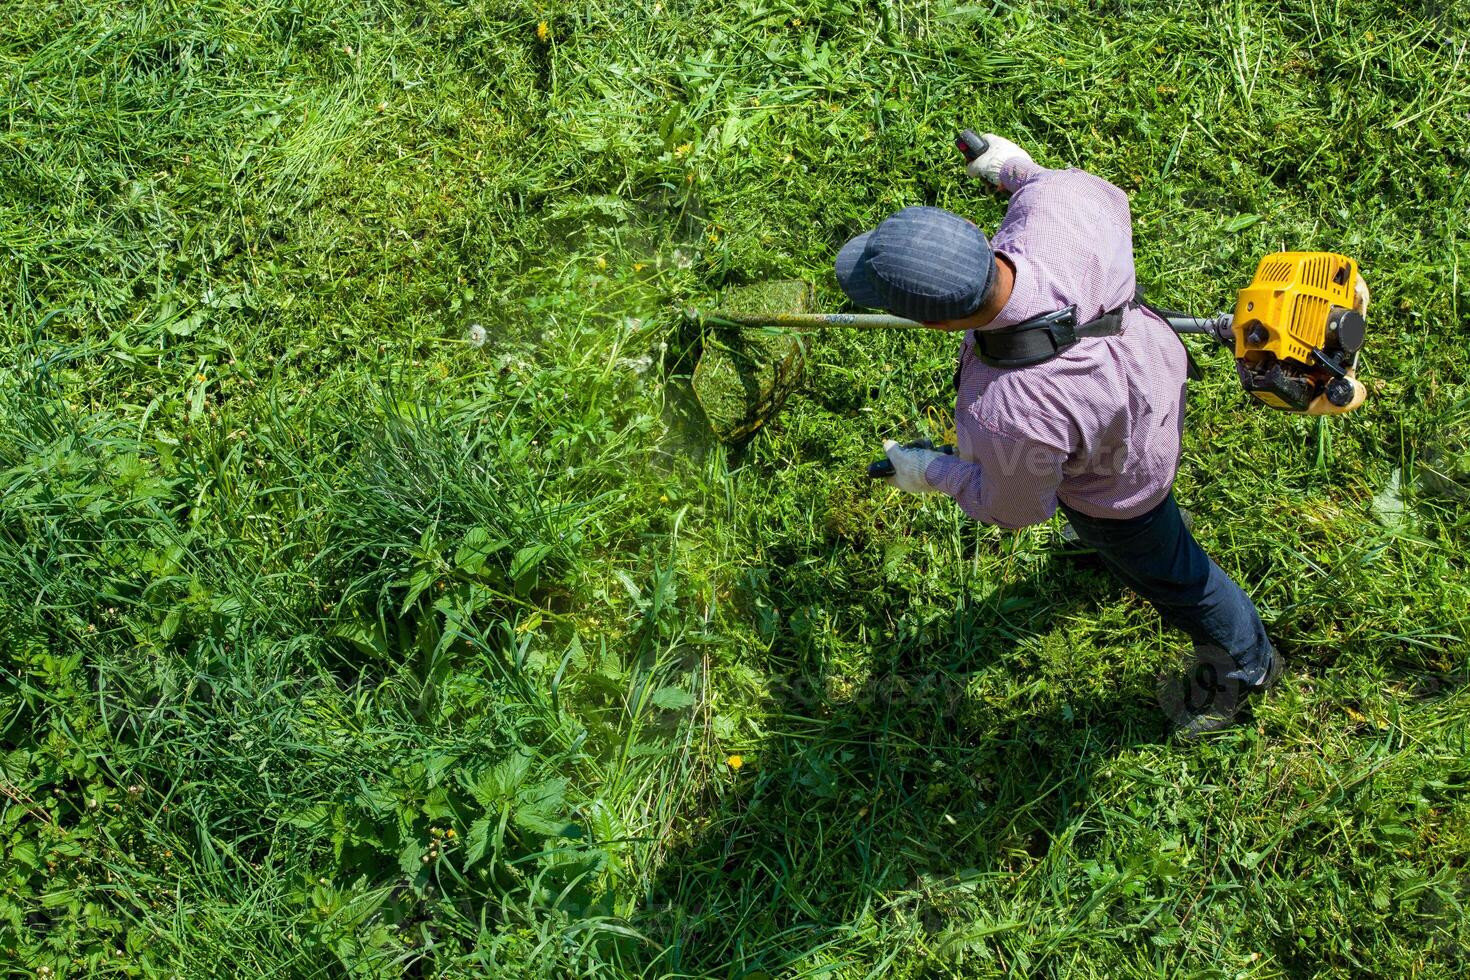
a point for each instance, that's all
(1017, 171)
(1012, 482)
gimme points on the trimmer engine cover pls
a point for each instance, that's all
(1296, 332)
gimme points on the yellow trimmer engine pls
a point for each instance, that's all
(1297, 333)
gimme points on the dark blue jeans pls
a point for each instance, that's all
(1156, 556)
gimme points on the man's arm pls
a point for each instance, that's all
(1011, 483)
(1015, 172)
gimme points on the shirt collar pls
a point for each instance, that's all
(1023, 291)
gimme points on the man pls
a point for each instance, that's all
(1092, 426)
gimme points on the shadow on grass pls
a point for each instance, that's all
(875, 809)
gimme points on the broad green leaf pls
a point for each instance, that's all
(24, 853)
(477, 841)
(1241, 222)
(171, 623)
(525, 567)
(422, 578)
(410, 859)
(540, 807)
(316, 816)
(476, 547)
(367, 638)
(1388, 503)
(672, 698)
(501, 781)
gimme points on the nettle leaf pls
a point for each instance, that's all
(476, 548)
(318, 816)
(501, 781)
(422, 578)
(436, 764)
(631, 587)
(477, 841)
(437, 805)
(540, 807)
(526, 565)
(673, 698)
(14, 763)
(607, 830)
(171, 623)
(410, 859)
(24, 853)
(227, 606)
(368, 638)
(71, 847)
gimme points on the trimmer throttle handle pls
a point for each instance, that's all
(882, 469)
(971, 144)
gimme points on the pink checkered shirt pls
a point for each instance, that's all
(1097, 427)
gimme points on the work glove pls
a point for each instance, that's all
(909, 466)
(1000, 152)
(1320, 405)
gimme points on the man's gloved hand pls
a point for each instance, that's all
(909, 466)
(987, 165)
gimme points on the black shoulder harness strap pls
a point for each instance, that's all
(1043, 337)
(1047, 335)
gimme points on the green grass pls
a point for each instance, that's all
(335, 645)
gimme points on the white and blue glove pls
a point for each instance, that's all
(909, 466)
(998, 153)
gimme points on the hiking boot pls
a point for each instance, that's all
(1273, 674)
(1206, 694)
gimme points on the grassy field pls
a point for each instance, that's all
(332, 644)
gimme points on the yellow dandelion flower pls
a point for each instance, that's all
(713, 238)
(735, 762)
(639, 266)
(601, 262)
(1061, 61)
(543, 31)
(198, 377)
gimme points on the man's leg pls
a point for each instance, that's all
(1159, 559)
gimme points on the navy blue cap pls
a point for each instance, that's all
(922, 263)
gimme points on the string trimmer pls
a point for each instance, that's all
(1294, 333)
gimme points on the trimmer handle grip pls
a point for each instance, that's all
(882, 469)
(971, 144)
